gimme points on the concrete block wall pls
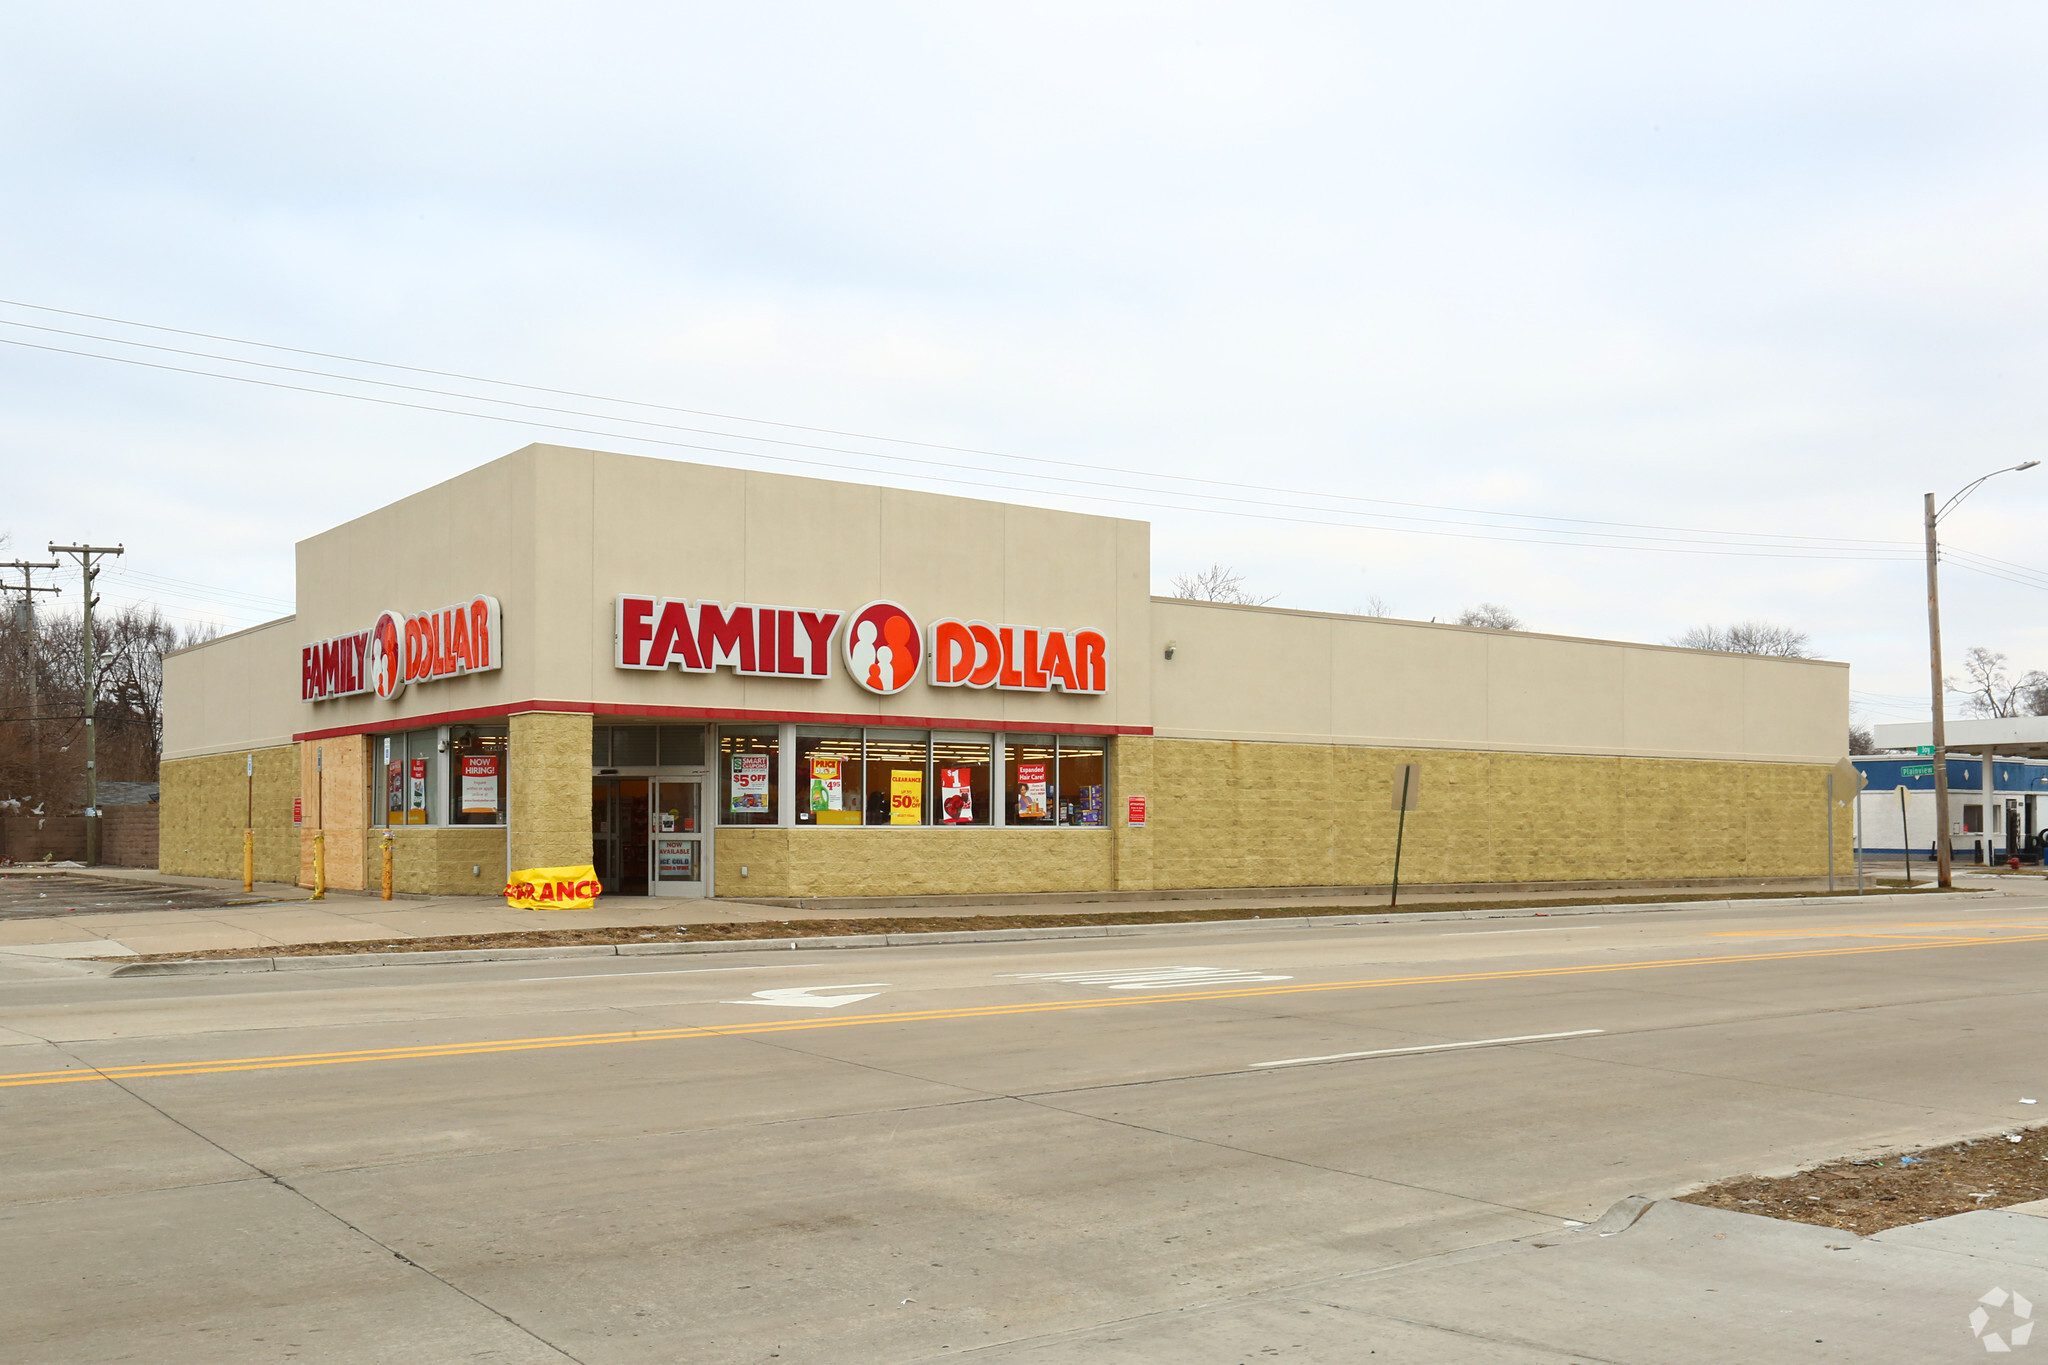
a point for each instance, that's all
(204, 802)
(128, 836)
(34, 838)
(910, 862)
(1227, 813)
(438, 860)
(550, 789)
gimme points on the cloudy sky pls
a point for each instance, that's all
(1628, 317)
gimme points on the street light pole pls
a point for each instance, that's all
(1943, 859)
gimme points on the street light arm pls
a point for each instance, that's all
(1968, 489)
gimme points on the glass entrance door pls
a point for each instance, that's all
(679, 837)
(618, 834)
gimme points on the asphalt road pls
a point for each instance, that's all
(946, 1150)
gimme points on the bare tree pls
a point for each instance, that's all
(1375, 605)
(1989, 689)
(1217, 583)
(43, 704)
(1491, 616)
(1750, 637)
(1861, 741)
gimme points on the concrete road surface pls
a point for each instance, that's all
(907, 1155)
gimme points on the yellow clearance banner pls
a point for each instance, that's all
(906, 796)
(553, 888)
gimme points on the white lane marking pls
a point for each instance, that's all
(1432, 1047)
(1150, 978)
(1475, 933)
(800, 997)
(669, 971)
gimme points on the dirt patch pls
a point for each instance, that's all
(1887, 1192)
(923, 924)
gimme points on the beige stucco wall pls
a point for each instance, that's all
(556, 534)
(1257, 673)
(204, 803)
(238, 692)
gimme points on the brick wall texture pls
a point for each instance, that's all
(127, 837)
(204, 803)
(549, 785)
(1221, 814)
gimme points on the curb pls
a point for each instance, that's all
(328, 961)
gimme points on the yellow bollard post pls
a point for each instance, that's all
(319, 865)
(248, 860)
(387, 867)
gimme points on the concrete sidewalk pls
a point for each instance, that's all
(1651, 1283)
(288, 915)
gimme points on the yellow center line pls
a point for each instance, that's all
(158, 1070)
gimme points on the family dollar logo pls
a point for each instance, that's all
(883, 648)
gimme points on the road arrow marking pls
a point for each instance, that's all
(801, 997)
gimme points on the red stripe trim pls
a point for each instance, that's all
(605, 708)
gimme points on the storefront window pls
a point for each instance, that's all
(682, 746)
(896, 766)
(477, 756)
(406, 769)
(633, 746)
(960, 779)
(1084, 794)
(829, 775)
(749, 788)
(1030, 779)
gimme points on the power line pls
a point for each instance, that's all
(1323, 496)
(1837, 550)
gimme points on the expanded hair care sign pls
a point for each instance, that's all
(883, 647)
(399, 649)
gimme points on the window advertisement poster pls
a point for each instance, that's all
(675, 860)
(394, 792)
(416, 794)
(1031, 799)
(749, 783)
(906, 796)
(956, 797)
(825, 784)
(480, 784)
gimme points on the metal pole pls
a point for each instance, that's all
(1856, 834)
(319, 827)
(1400, 832)
(1941, 848)
(1906, 837)
(1831, 834)
(249, 830)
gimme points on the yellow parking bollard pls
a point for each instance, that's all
(248, 860)
(320, 865)
(387, 867)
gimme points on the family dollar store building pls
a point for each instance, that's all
(706, 681)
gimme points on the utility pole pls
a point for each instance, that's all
(85, 555)
(1941, 853)
(25, 620)
(1941, 817)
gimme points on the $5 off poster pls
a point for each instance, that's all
(749, 783)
